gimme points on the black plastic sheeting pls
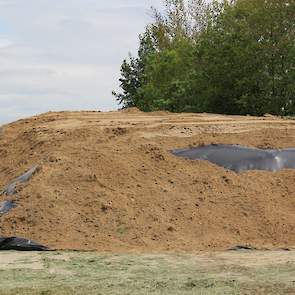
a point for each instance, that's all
(242, 247)
(20, 244)
(6, 206)
(239, 158)
(15, 243)
(11, 188)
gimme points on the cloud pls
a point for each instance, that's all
(65, 55)
(4, 43)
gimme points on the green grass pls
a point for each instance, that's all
(90, 273)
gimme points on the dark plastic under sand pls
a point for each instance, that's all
(16, 243)
(20, 244)
(10, 189)
(239, 158)
(6, 206)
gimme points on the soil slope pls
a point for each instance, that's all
(108, 182)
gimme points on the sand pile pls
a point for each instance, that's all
(107, 181)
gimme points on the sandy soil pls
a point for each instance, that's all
(108, 182)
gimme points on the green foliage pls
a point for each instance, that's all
(132, 72)
(167, 77)
(234, 57)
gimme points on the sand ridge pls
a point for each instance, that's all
(108, 182)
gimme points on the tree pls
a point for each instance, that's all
(132, 72)
(160, 76)
(248, 56)
(232, 57)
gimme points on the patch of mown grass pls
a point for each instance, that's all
(90, 273)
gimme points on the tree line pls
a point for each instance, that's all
(230, 57)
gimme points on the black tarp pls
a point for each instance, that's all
(20, 244)
(11, 188)
(239, 158)
(16, 243)
(6, 206)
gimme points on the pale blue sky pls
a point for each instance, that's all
(65, 54)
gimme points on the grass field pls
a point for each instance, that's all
(246, 272)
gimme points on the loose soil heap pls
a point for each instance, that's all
(108, 182)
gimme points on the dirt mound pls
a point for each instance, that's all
(131, 110)
(107, 181)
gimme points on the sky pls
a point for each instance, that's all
(65, 54)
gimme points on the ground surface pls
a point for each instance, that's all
(224, 273)
(108, 182)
